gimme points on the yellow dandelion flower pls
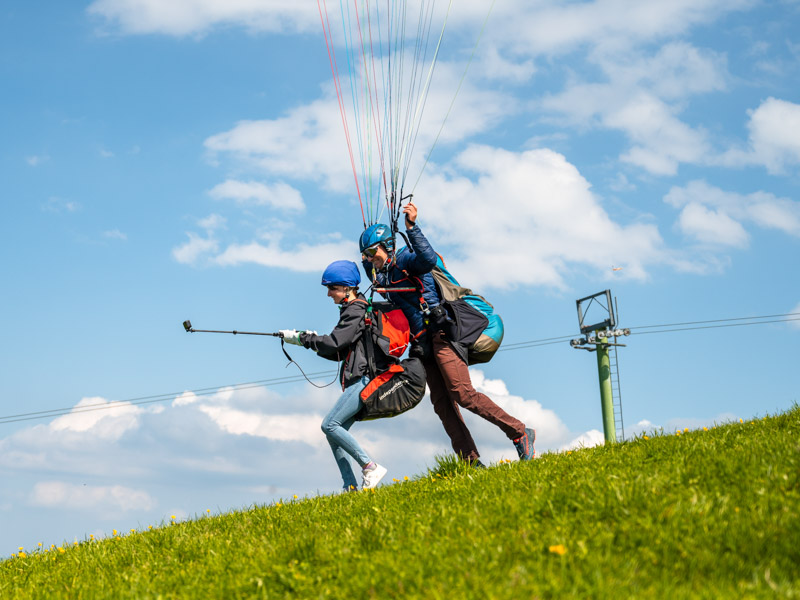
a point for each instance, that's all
(736, 509)
(678, 432)
(114, 531)
(741, 421)
(557, 549)
(22, 555)
(173, 517)
(705, 428)
(91, 536)
(644, 437)
(149, 526)
(21, 548)
(40, 544)
(208, 510)
(61, 550)
(295, 496)
(405, 478)
(133, 531)
(686, 429)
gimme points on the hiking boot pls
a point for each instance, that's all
(373, 473)
(524, 445)
(348, 488)
(476, 464)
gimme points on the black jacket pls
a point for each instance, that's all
(347, 343)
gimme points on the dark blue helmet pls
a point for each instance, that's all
(376, 234)
(342, 272)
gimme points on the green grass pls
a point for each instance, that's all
(705, 514)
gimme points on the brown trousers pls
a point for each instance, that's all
(451, 387)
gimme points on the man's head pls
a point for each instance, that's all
(376, 243)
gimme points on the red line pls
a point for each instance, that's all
(334, 70)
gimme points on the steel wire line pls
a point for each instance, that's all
(57, 412)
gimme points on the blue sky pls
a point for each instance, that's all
(186, 160)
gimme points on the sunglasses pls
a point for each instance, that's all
(371, 251)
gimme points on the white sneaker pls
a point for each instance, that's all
(373, 473)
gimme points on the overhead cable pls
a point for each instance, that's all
(663, 328)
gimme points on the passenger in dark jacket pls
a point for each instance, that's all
(446, 369)
(346, 344)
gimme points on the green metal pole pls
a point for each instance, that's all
(606, 395)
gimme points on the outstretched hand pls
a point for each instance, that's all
(411, 214)
(291, 336)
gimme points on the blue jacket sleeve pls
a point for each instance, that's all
(423, 259)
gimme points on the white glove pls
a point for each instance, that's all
(291, 336)
(309, 332)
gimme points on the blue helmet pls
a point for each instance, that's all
(376, 234)
(342, 272)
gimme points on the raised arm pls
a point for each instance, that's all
(423, 259)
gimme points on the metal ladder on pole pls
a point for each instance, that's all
(616, 393)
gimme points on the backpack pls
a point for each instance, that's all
(478, 327)
(389, 327)
(396, 390)
(400, 387)
(473, 328)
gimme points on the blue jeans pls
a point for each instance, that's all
(335, 426)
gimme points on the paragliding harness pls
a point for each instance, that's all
(400, 387)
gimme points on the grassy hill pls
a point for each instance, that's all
(699, 514)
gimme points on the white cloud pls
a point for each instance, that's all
(212, 222)
(115, 234)
(550, 429)
(553, 27)
(58, 205)
(494, 66)
(711, 226)
(185, 17)
(774, 128)
(303, 257)
(544, 27)
(185, 398)
(643, 98)
(712, 215)
(588, 439)
(661, 141)
(69, 496)
(196, 248)
(295, 427)
(95, 415)
(550, 218)
(280, 195)
(314, 132)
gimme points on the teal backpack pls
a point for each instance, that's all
(481, 328)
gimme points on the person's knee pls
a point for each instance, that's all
(328, 426)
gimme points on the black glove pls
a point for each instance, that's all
(421, 348)
(440, 320)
